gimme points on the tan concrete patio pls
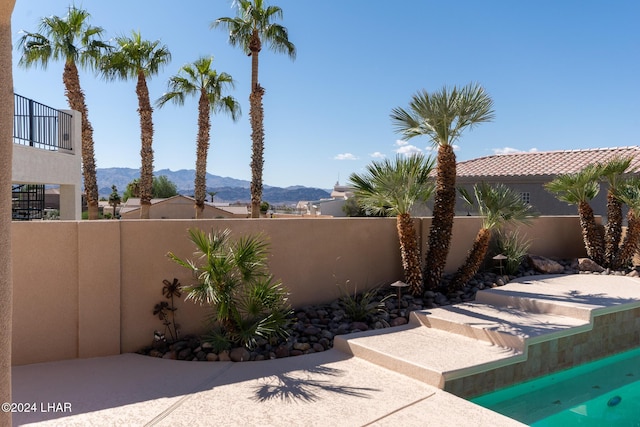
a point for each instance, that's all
(395, 378)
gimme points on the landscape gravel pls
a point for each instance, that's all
(313, 327)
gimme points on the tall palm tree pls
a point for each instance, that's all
(443, 116)
(498, 205)
(252, 27)
(199, 79)
(136, 58)
(613, 173)
(6, 154)
(74, 41)
(392, 187)
(578, 189)
(629, 193)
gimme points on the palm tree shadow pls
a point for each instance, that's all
(289, 388)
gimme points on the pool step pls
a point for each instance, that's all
(456, 341)
(426, 354)
(499, 325)
(537, 301)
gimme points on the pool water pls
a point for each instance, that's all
(601, 393)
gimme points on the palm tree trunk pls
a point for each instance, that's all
(613, 229)
(256, 116)
(257, 149)
(75, 96)
(474, 259)
(591, 235)
(410, 253)
(146, 152)
(204, 126)
(6, 153)
(631, 242)
(443, 212)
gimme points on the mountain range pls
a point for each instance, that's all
(227, 189)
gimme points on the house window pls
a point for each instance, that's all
(526, 197)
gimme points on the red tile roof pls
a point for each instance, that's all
(544, 163)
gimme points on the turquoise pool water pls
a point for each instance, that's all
(601, 393)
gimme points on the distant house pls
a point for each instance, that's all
(527, 173)
(179, 207)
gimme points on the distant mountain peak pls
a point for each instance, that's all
(227, 189)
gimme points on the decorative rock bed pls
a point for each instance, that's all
(313, 327)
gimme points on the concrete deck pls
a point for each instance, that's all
(392, 380)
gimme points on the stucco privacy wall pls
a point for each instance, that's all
(85, 289)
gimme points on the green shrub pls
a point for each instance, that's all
(512, 245)
(361, 306)
(232, 277)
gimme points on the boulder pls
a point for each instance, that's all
(239, 354)
(587, 264)
(545, 265)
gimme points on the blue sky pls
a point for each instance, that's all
(562, 74)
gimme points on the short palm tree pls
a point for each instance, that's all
(629, 193)
(391, 188)
(136, 58)
(72, 40)
(252, 27)
(578, 189)
(233, 278)
(443, 116)
(199, 79)
(114, 200)
(498, 206)
(613, 174)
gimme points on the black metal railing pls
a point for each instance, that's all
(27, 202)
(40, 126)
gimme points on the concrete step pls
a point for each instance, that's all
(499, 325)
(426, 354)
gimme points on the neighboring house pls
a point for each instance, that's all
(326, 207)
(527, 173)
(333, 207)
(179, 207)
(46, 151)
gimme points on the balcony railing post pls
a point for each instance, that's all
(31, 124)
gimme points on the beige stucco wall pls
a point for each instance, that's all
(85, 289)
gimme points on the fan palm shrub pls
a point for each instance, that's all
(391, 188)
(578, 189)
(629, 193)
(443, 116)
(233, 279)
(613, 173)
(498, 205)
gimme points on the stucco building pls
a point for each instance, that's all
(527, 173)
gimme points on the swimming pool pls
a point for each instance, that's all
(601, 393)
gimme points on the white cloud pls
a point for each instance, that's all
(345, 156)
(377, 155)
(406, 149)
(509, 150)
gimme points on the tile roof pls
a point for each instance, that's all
(544, 163)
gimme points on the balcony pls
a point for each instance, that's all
(45, 152)
(37, 125)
